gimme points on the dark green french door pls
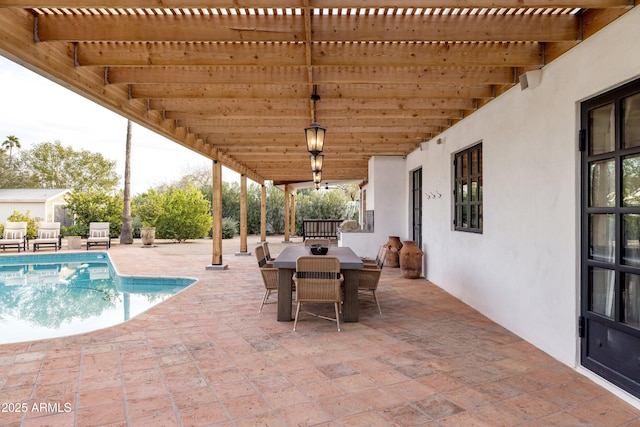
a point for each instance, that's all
(610, 266)
(416, 206)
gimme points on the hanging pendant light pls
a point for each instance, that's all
(317, 162)
(315, 138)
(317, 177)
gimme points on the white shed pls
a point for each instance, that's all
(46, 204)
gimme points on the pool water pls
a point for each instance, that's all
(46, 296)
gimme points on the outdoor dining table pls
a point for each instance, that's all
(350, 264)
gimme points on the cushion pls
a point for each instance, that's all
(45, 234)
(12, 235)
(98, 233)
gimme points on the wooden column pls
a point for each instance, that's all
(216, 209)
(293, 213)
(263, 214)
(243, 215)
(286, 213)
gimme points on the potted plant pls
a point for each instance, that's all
(147, 209)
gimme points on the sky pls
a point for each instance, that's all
(35, 110)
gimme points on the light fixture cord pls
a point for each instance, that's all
(314, 97)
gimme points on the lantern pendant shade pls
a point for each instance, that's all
(315, 138)
(317, 177)
(316, 162)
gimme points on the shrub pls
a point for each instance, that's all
(94, 207)
(229, 228)
(184, 214)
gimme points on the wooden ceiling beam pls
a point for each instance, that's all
(281, 123)
(228, 104)
(209, 131)
(363, 91)
(323, 54)
(325, 28)
(329, 114)
(297, 75)
(347, 143)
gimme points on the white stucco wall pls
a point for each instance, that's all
(387, 197)
(36, 210)
(523, 270)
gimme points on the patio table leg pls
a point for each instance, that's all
(350, 307)
(284, 294)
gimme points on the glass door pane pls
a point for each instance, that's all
(602, 291)
(631, 121)
(602, 235)
(602, 130)
(631, 300)
(602, 175)
(631, 240)
(631, 181)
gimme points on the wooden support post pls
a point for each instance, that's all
(293, 213)
(216, 209)
(243, 215)
(286, 213)
(263, 214)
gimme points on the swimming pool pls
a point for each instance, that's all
(53, 295)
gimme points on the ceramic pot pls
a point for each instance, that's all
(147, 235)
(394, 245)
(410, 260)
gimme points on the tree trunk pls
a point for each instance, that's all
(126, 236)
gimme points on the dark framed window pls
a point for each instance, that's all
(467, 189)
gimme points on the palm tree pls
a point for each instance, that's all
(9, 143)
(126, 234)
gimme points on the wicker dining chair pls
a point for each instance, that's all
(379, 261)
(318, 280)
(369, 277)
(261, 257)
(269, 276)
(267, 253)
(321, 242)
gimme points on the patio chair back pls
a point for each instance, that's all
(318, 280)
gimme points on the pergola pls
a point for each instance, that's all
(233, 79)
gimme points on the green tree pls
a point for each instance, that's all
(11, 175)
(94, 207)
(50, 165)
(324, 204)
(185, 214)
(275, 210)
(9, 144)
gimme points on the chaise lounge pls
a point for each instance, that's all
(48, 235)
(99, 234)
(15, 235)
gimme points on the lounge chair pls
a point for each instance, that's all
(48, 235)
(99, 234)
(15, 235)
